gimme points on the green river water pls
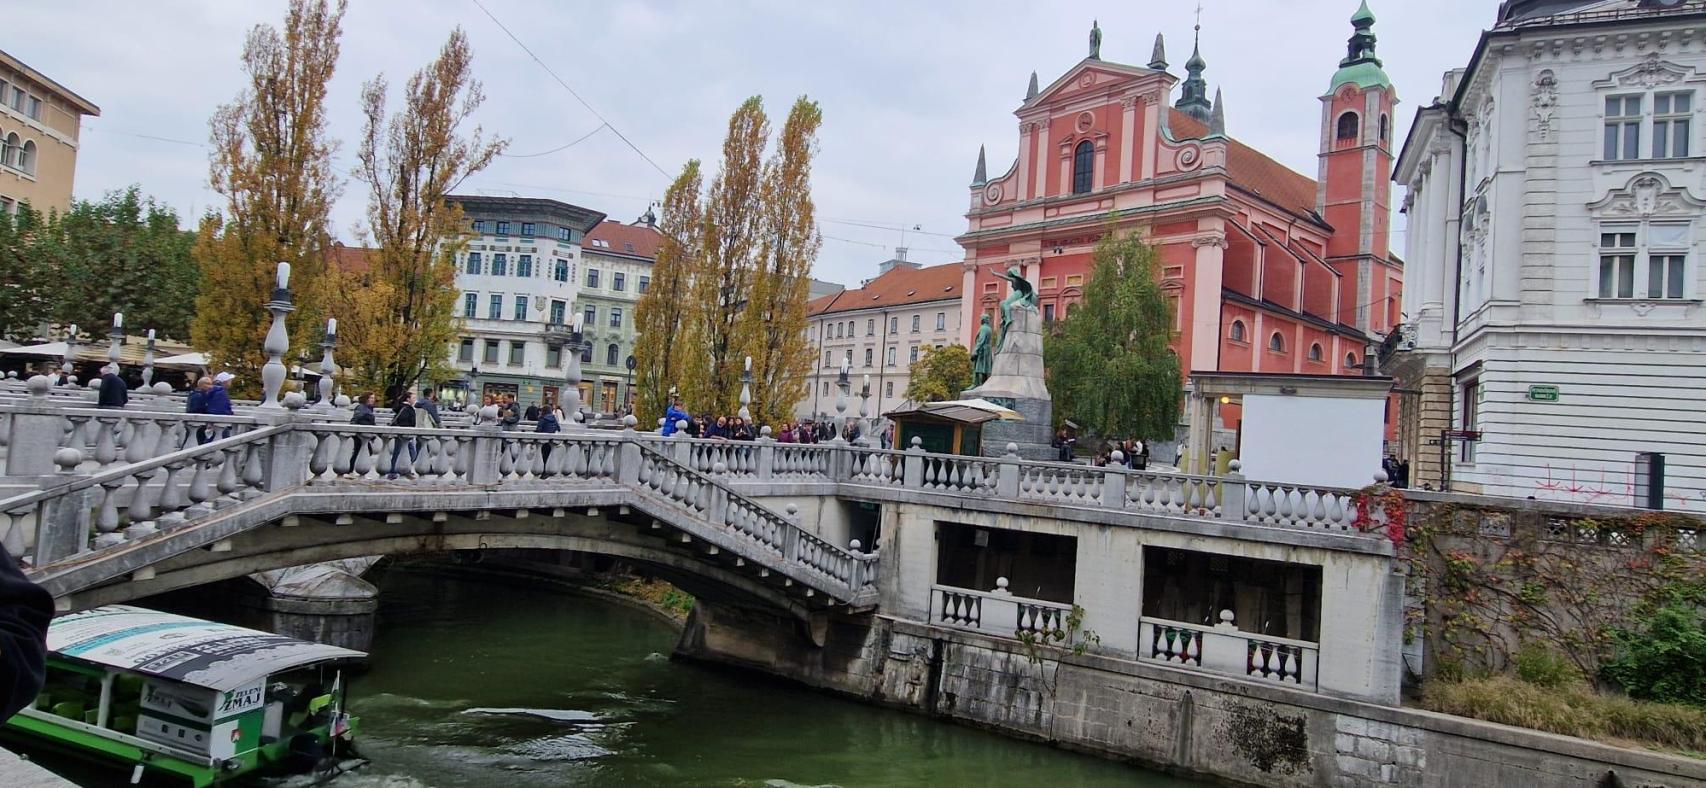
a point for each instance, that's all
(478, 683)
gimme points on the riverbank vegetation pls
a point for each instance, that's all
(656, 593)
(1574, 709)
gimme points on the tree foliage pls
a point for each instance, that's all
(124, 253)
(272, 161)
(1110, 365)
(941, 374)
(403, 306)
(748, 267)
(662, 313)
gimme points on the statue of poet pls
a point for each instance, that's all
(982, 353)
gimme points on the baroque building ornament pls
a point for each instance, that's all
(1217, 240)
(1545, 103)
(992, 194)
(1651, 72)
(1189, 158)
(1648, 195)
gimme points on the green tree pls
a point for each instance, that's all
(941, 374)
(1110, 365)
(272, 161)
(661, 315)
(25, 282)
(122, 254)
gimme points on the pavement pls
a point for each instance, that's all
(15, 772)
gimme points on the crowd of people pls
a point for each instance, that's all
(679, 421)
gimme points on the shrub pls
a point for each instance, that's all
(1572, 710)
(1664, 657)
(1543, 667)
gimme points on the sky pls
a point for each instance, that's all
(909, 89)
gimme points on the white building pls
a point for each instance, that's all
(517, 281)
(1557, 191)
(618, 270)
(880, 330)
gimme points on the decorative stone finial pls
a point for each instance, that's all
(854, 545)
(1217, 117)
(1031, 92)
(295, 400)
(39, 386)
(1158, 55)
(980, 176)
(629, 421)
(1012, 449)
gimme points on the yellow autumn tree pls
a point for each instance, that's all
(663, 310)
(774, 333)
(409, 162)
(272, 161)
(724, 267)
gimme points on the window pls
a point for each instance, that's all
(592, 277)
(1385, 127)
(610, 354)
(27, 157)
(473, 262)
(521, 307)
(1622, 127)
(18, 96)
(912, 355)
(490, 354)
(480, 226)
(1315, 352)
(628, 247)
(615, 317)
(890, 357)
(10, 150)
(517, 353)
(618, 281)
(1048, 283)
(1083, 167)
(1236, 333)
(527, 229)
(495, 309)
(870, 327)
(1075, 280)
(524, 266)
(644, 284)
(503, 228)
(835, 330)
(1347, 127)
(941, 321)
(1670, 124)
(851, 328)
(1617, 265)
(470, 303)
(826, 386)
(826, 359)
(559, 310)
(465, 354)
(1471, 416)
(894, 325)
(1276, 343)
(888, 389)
(562, 272)
(1350, 361)
(1664, 275)
(1048, 313)
(586, 353)
(562, 233)
(553, 356)
(500, 264)
(35, 108)
(869, 353)
(589, 317)
(915, 321)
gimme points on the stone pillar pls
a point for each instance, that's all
(148, 361)
(1207, 276)
(628, 456)
(912, 475)
(327, 367)
(277, 342)
(1007, 478)
(36, 428)
(488, 441)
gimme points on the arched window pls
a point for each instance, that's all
(27, 157)
(610, 355)
(1083, 167)
(1315, 352)
(1236, 333)
(1350, 361)
(10, 149)
(1348, 126)
(1276, 343)
(1385, 127)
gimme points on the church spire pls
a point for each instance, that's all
(1031, 92)
(1193, 94)
(1158, 56)
(1361, 67)
(1217, 118)
(980, 177)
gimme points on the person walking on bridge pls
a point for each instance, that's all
(404, 417)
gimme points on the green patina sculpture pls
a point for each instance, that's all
(982, 353)
(1023, 295)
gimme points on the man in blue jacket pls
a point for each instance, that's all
(672, 418)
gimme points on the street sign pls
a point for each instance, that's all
(1543, 393)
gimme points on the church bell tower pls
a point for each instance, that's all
(1355, 184)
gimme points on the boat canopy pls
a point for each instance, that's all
(182, 649)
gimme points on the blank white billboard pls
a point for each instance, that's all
(1322, 441)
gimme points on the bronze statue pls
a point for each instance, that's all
(1023, 295)
(982, 353)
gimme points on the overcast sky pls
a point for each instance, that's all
(909, 89)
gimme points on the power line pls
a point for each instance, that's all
(583, 102)
(581, 139)
(143, 136)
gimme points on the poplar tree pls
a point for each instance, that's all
(724, 269)
(272, 161)
(409, 162)
(775, 317)
(662, 315)
(1111, 366)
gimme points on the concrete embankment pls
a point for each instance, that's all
(15, 772)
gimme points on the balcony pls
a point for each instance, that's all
(995, 612)
(556, 335)
(1226, 649)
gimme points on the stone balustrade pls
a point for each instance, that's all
(997, 612)
(1225, 649)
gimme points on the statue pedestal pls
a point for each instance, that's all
(1016, 382)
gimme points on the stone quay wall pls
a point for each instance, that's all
(1187, 723)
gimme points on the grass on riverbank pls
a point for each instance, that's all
(1572, 710)
(674, 601)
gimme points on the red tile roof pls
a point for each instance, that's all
(623, 239)
(898, 287)
(1253, 171)
(351, 259)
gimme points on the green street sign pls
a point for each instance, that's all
(1543, 393)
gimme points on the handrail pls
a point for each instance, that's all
(128, 470)
(1234, 632)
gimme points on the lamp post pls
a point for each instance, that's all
(865, 423)
(745, 413)
(115, 337)
(842, 386)
(572, 397)
(326, 366)
(148, 361)
(66, 366)
(278, 341)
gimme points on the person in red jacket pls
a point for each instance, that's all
(25, 610)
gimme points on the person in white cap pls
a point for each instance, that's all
(218, 398)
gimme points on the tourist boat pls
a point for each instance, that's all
(187, 700)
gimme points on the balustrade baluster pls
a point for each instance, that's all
(105, 452)
(200, 488)
(172, 489)
(141, 507)
(106, 521)
(252, 472)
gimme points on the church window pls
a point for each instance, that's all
(1347, 127)
(1385, 127)
(1083, 167)
(1236, 333)
(1276, 343)
(1350, 361)
(1315, 352)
